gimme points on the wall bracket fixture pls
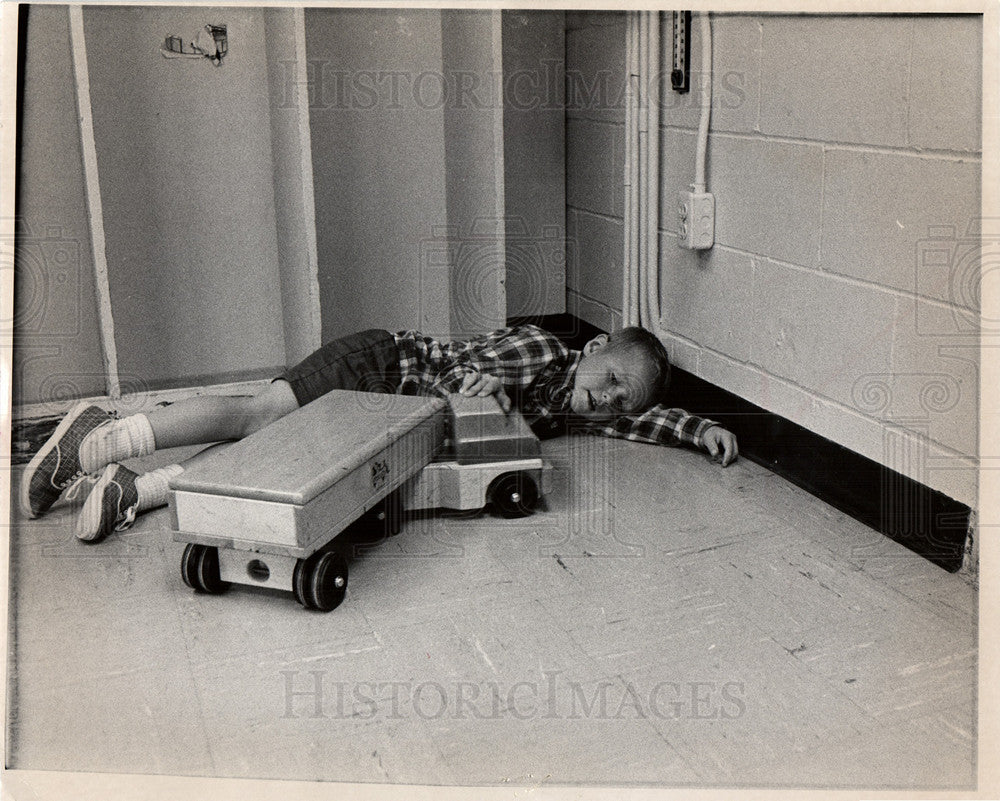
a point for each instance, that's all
(680, 63)
(212, 43)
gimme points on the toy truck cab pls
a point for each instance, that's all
(490, 458)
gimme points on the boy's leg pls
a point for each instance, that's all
(88, 439)
(119, 494)
(217, 418)
(366, 361)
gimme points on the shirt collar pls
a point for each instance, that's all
(561, 393)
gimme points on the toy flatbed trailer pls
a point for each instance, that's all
(263, 511)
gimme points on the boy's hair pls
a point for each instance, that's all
(645, 341)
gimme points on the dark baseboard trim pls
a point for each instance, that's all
(924, 520)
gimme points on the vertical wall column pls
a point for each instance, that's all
(474, 171)
(94, 207)
(534, 160)
(378, 155)
(294, 205)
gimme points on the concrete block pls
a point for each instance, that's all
(946, 82)
(595, 72)
(942, 469)
(682, 353)
(836, 78)
(819, 331)
(604, 317)
(601, 255)
(956, 477)
(590, 173)
(681, 109)
(763, 389)
(880, 210)
(572, 251)
(736, 87)
(677, 152)
(707, 297)
(801, 406)
(618, 155)
(615, 322)
(934, 378)
(767, 197)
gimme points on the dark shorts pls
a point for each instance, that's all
(365, 362)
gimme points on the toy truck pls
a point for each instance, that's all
(265, 511)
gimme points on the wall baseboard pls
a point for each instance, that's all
(924, 520)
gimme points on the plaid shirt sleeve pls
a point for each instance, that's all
(517, 356)
(658, 426)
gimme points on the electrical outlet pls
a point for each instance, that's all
(695, 220)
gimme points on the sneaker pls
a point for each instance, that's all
(57, 463)
(111, 505)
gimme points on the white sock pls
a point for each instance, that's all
(152, 487)
(118, 440)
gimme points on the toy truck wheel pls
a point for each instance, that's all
(200, 569)
(513, 495)
(320, 582)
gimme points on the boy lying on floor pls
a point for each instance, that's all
(613, 387)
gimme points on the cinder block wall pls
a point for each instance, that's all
(842, 291)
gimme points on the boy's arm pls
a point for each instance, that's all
(482, 384)
(661, 425)
(513, 356)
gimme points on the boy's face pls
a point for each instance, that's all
(611, 381)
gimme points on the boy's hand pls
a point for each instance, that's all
(721, 444)
(482, 384)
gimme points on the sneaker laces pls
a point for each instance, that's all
(74, 484)
(73, 479)
(129, 519)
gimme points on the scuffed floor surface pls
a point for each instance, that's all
(661, 622)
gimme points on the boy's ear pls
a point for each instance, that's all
(596, 343)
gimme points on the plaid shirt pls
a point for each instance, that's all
(537, 372)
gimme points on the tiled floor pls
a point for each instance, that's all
(661, 622)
